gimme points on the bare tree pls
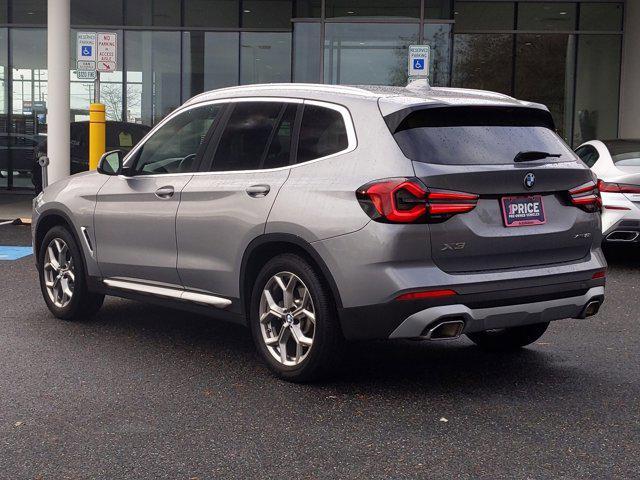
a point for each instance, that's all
(111, 97)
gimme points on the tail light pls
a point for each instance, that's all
(617, 187)
(407, 200)
(586, 197)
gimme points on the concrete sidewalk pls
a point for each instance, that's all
(15, 205)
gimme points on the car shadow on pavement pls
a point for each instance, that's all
(426, 368)
(621, 255)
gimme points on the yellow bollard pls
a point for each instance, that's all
(97, 134)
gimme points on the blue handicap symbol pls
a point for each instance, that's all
(86, 51)
(418, 64)
(14, 253)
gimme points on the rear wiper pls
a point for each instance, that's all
(530, 155)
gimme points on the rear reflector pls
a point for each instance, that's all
(426, 294)
(600, 274)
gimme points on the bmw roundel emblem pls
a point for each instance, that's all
(529, 180)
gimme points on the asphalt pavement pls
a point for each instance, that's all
(142, 392)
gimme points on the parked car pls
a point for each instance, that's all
(16, 152)
(319, 214)
(617, 166)
(119, 135)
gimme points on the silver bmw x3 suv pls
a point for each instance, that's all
(318, 214)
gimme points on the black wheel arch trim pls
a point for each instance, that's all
(298, 242)
(70, 228)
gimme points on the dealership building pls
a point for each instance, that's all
(580, 58)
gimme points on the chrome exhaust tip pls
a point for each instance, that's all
(445, 330)
(622, 236)
(592, 308)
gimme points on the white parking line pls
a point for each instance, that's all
(6, 223)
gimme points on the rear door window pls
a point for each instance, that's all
(476, 135)
(322, 133)
(257, 135)
(588, 154)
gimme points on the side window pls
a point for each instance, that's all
(588, 155)
(173, 148)
(322, 133)
(257, 135)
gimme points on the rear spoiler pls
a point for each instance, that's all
(446, 115)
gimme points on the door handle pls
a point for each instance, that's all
(165, 192)
(257, 191)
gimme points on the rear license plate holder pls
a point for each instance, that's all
(523, 211)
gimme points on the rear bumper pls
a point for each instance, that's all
(479, 311)
(480, 319)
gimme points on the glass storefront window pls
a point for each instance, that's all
(266, 13)
(371, 54)
(157, 13)
(550, 81)
(265, 57)
(96, 12)
(209, 60)
(546, 16)
(597, 88)
(601, 16)
(4, 106)
(437, 9)
(29, 100)
(483, 61)
(211, 13)
(471, 16)
(306, 52)
(29, 11)
(308, 9)
(373, 8)
(152, 71)
(438, 36)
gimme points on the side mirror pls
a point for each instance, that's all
(111, 163)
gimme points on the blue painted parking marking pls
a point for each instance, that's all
(14, 253)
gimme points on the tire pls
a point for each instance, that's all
(509, 338)
(300, 362)
(82, 303)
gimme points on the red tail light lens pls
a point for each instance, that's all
(600, 274)
(617, 187)
(426, 294)
(586, 197)
(407, 200)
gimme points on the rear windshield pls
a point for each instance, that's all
(477, 135)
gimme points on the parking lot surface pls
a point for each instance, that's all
(145, 392)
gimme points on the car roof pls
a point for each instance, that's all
(620, 146)
(391, 98)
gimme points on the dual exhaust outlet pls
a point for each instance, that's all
(450, 329)
(622, 236)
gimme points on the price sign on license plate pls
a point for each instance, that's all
(523, 211)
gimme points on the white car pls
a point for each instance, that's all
(616, 163)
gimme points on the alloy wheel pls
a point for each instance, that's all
(287, 318)
(59, 273)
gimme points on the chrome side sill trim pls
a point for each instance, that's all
(167, 292)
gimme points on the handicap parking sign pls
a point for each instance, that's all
(86, 51)
(419, 61)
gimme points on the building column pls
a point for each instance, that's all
(58, 113)
(630, 81)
